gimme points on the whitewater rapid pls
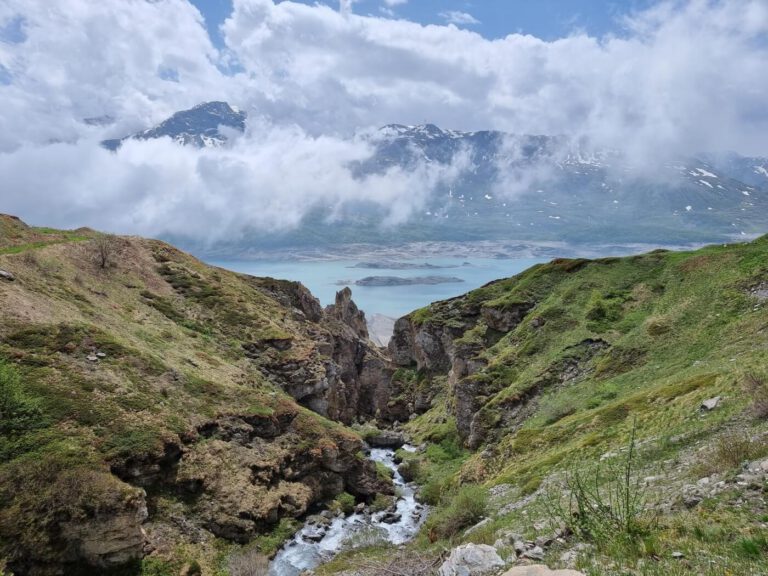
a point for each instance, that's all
(305, 552)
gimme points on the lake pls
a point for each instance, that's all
(323, 277)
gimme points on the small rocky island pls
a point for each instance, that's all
(400, 281)
(395, 265)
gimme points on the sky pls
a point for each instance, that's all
(655, 78)
(545, 19)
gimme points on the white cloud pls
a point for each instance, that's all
(392, 3)
(459, 18)
(686, 76)
(268, 180)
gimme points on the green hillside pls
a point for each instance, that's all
(543, 383)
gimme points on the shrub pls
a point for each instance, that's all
(103, 248)
(729, 451)
(19, 412)
(248, 562)
(382, 502)
(757, 389)
(467, 507)
(605, 504)
(344, 502)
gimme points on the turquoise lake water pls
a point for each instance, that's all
(322, 279)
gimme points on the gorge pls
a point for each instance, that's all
(162, 416)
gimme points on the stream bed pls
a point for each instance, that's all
(315, 544)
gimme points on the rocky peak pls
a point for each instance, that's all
(346, 311)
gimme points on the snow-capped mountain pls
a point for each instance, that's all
(200, 126)
(524, 187)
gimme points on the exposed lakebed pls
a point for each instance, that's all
(316, 543)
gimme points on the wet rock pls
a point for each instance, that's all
(471, 560)
(391, 517)
(314, 535)
(385, 439)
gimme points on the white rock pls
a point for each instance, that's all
(711, 404)
(471, 560)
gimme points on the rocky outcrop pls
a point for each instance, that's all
(506, 318)
(436, 345)
(472, 560)
(84, 519)
(243, 473)
(347, 312)
(111, 537)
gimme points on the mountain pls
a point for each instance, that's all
(162, 416)
(200, 126)
(518, 187)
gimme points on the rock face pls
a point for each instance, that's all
(343, 376)
(346, 311)
(110, 539)
(245, 472)
(99, 528)
(471, 560)
(435, 345)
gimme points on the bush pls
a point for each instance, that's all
(248, 563)
(603, 504)
(730, 450)
(19, 412)
(344, 503)
(382, 502)
(467, 507)
(757, 389)
(103, 248)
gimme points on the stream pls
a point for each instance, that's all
(314, 544)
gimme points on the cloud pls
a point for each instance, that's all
(78, 59)
(268, 180)
(684, 76)
(392, 3)
(459, 18)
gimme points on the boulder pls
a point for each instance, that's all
(540, 570)
(5, 275)
(711, 403)
(471, 560)
(385, 439)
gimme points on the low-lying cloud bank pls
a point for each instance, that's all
(685, 76)
(157, 187)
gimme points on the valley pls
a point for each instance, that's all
(165, 416)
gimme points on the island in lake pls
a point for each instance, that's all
(399, 281)
(394, 265)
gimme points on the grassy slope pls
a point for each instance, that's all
(680, 328)
(171, 329)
